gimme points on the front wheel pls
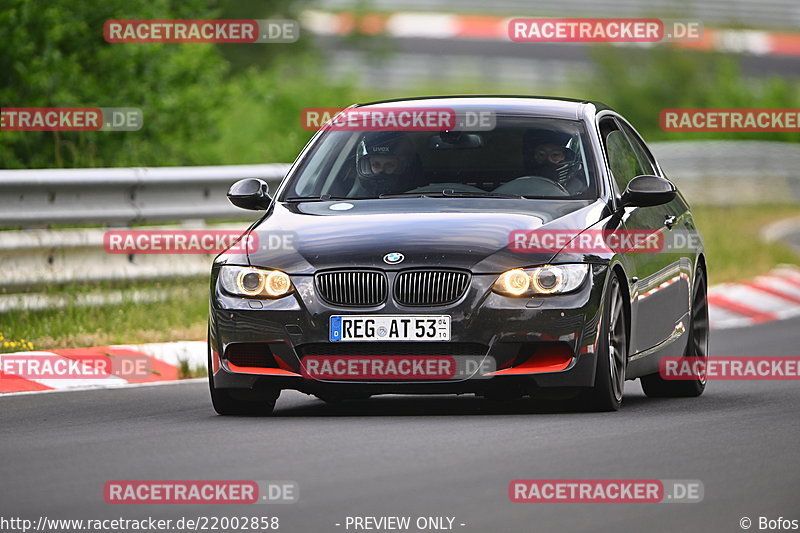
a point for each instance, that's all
(612, 354)
(654, 385)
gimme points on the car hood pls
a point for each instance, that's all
(467, 233)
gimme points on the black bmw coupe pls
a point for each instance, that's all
(542, 254)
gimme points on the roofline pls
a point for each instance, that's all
(600, 106)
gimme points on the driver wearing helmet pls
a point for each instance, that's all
(385, 163)
(545, 154)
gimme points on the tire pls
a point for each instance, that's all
(612, 354)
(236, 402)
(654, 385)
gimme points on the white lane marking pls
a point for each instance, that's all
(61, 383)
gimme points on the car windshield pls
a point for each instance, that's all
(522, 157)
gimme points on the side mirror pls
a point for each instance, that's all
(646, 191)
(250, 193)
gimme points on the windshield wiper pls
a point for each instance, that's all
(320, 198)
(446, 193)
(471, 194)
(408, 195)
(450, 193)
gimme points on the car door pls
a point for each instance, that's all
(672, 294)
(651, 323)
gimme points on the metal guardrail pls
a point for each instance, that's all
(733, 172)
(717, 172)
(39, 259)
(122, 196)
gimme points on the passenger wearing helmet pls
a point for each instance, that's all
(545, 154)
(385, 163)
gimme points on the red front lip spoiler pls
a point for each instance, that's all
(529, 367)
(551, 359)
(535, 365)
(262, 371)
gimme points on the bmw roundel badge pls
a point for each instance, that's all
(393, 258)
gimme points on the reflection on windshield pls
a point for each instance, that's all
(520, 158)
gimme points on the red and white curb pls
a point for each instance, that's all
(495, 28)
(773, 296)
(164, 359)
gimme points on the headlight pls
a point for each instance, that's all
(254, 282)
(548, 279)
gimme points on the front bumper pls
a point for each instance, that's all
(520, 334)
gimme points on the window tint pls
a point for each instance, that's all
(623, 162)
(521, 157)
(645, 163)
(622, 159)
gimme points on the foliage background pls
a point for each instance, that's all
(229, 104)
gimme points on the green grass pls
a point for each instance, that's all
(733, 245)
(187, 371)
(182, 316)
(731, 236)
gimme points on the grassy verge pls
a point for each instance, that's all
(181, 316)
(731, 236)
(187, 371)
(734, 248)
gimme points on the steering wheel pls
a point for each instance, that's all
(521, 186)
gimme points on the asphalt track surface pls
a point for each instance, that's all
(418, 456)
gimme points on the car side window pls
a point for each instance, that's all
(645, 162)
(621, 157)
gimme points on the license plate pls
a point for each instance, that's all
(390, 328)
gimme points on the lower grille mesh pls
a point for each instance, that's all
(392, 348)
(255, 354)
